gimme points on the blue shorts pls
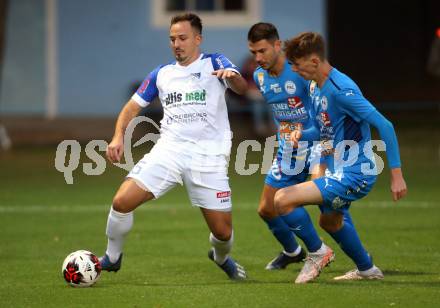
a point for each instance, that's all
(337, 194)
(277, 179)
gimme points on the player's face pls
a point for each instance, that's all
(306, 67)
(266, 53)
(185, 42)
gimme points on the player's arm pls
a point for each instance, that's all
(225, 70)
(142, 98)
(361, 109)
(388, 135)
(318, 171)
(234, 80)
(296, 134)
(116, 147)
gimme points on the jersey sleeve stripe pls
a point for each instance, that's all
(139, 100)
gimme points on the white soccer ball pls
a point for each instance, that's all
(81, 269)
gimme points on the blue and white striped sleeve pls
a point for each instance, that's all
(219, 61)
(148, 89)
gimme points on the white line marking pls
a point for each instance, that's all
(76, 208)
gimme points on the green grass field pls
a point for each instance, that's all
(42, 219)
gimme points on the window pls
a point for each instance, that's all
(214, 13)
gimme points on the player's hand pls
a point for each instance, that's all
(296, 135)
(115, 149)
(225, 74)
(398, 185)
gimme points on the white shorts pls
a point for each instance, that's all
(205, 176)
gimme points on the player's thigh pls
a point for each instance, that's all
(276, 180)
(208, 190)
(286, 199)
(129, 196)
(158, 171)
(219, 223)
(338, 193)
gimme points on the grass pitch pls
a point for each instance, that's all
(42, 219)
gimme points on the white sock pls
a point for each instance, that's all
(221, 248)
(118, 225)
(293, 254)
(369, 271)
(321, 250)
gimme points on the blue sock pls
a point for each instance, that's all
(300, 223)
(349, 241)
(282, 233)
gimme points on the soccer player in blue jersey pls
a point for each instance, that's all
(287, 94)
(344, 117)
(193, 148)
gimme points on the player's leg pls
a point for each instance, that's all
(280, 229)
(290, 199)
(120, 221)
(299, 220)
(155, 174)
(221, 236)
(210, 191)
(336, 220)
(345, 234)
(221, 239)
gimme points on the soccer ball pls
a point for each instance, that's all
(81, 269)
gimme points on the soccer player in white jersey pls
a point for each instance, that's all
(193, 148)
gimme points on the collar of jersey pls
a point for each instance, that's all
(188, 66)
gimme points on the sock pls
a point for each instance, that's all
(293, 254)
(321, 250)
(118, 225)
(370, 271)
(300, 223)
(349, 241)
(282, 233)
(221, 248)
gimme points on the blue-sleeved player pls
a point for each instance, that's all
(287, 94)
(344, 118)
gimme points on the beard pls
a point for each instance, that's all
(180, 57)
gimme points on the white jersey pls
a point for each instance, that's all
(195, 112)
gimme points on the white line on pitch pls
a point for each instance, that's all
(76, 208)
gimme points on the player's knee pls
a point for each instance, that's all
(281, 202)
(267, 210)
(330, 222)
(222, 234)
(122, 203)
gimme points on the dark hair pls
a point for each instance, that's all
(194, 20)
(263, 31)
(304, 44)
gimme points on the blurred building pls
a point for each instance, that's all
(79, 58)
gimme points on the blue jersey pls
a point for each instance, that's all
(341, 112)
(288, 96)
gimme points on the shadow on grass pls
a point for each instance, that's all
(425, 284)
(407, 273)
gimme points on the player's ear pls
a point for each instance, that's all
(199, 39)
(315, 60)
(277, 44)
